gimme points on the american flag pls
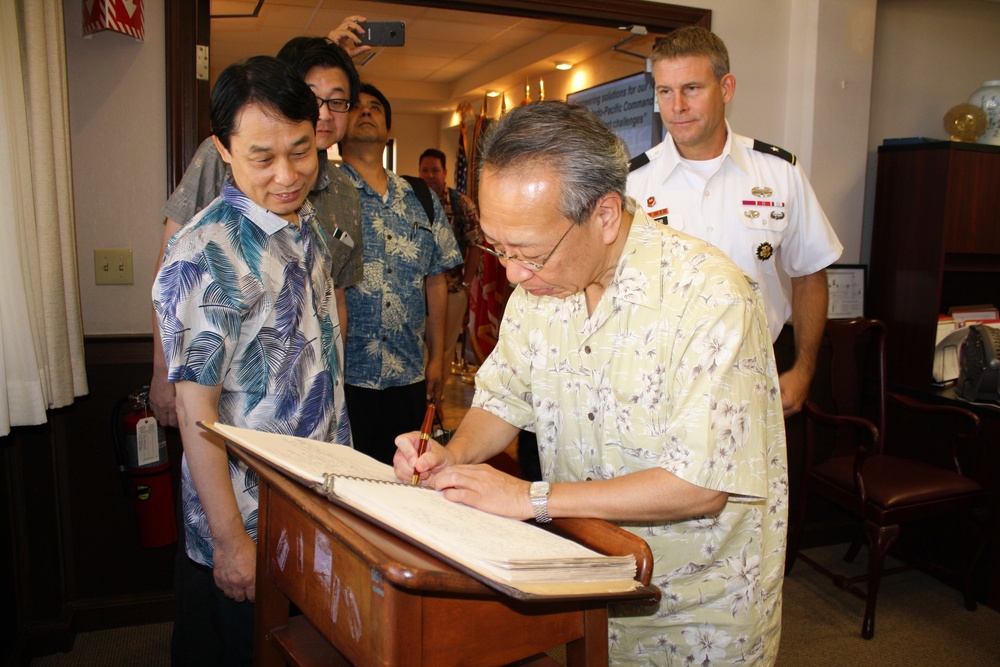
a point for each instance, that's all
(462, 163)
(462, 159)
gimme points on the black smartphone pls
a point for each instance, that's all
(383, 33)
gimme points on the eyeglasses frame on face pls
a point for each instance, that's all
(329, 104)
(528, 264)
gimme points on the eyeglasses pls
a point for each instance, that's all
(532, 266)
(335, 105)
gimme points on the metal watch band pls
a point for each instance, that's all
(539, 492)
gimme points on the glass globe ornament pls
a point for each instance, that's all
(965, 122)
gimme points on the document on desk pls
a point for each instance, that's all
(513, 553)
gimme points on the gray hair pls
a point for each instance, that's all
(565, 139)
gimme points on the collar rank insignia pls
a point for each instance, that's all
(650, 201)
(765, 251)
(762, 192)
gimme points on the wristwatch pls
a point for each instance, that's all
(539, 494)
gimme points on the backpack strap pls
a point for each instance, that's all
(423, 193)
(456, 208)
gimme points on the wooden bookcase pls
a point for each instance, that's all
(935, 244)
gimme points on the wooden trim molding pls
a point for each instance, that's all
(117, 350)
(187, 25)
(655, 16)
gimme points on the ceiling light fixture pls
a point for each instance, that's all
(492, 93)
(563, 65)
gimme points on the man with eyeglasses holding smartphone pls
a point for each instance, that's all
(329, 72)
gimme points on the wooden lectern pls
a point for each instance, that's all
(367, 597)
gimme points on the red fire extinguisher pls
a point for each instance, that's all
(141, 447)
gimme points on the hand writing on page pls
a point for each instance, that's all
(406, 464)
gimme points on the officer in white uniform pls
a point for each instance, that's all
(746, 197)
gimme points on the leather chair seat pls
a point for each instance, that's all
(850, 411)
(892, 482)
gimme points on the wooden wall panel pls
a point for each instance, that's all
(75, 562)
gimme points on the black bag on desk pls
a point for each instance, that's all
(438, 431)
(442, 435)
(979, 365)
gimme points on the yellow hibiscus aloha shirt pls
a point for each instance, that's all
(673, 369)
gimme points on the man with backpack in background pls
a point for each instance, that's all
(409, 247)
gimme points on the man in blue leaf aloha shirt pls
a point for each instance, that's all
(248, 317)
(641, 358)
(329, 71)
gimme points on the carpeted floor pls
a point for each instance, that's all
(920, 621)
(133, 646)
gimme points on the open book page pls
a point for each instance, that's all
(306, 460)
(512, 552)
(508, 550)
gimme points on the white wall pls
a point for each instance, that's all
(812, 75)
(929, 56)
(414, 133)
(117, 101)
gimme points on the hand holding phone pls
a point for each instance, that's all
(348, 35)
(383, 33)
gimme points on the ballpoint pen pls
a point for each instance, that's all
(425, 436)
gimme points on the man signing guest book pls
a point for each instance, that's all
(641, 358)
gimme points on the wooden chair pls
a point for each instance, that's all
(854, 458)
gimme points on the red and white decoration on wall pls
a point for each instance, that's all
(124, 16)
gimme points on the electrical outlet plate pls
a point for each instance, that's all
(113, 266)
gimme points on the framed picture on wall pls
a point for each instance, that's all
(847, 284)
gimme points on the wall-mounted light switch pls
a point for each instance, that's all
(113, 266)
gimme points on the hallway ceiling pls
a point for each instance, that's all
(449, 56)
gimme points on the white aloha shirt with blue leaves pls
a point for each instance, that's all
(245, 300)
(673, 369)
(385, 339)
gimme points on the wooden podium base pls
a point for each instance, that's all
(369, 598)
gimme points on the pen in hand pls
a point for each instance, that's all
(425, 435)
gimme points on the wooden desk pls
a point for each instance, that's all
(369, 598)
(980, 460)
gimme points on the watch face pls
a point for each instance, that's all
(539, 489)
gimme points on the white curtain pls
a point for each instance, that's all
(41, 332)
